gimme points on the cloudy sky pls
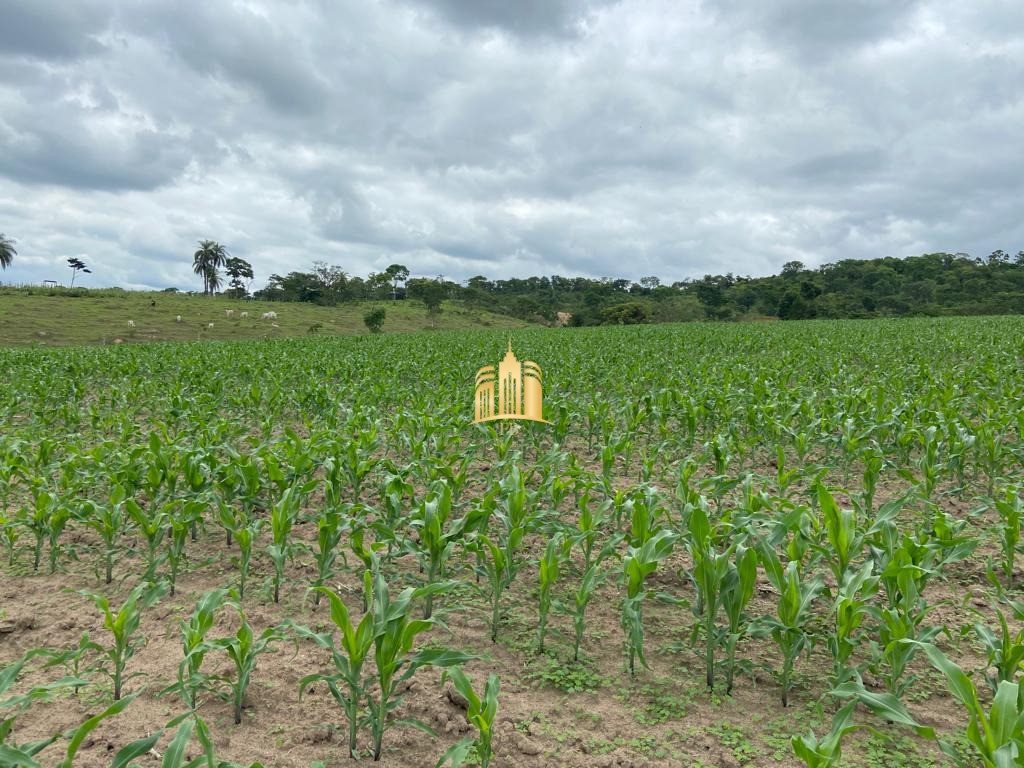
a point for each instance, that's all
(506, 137)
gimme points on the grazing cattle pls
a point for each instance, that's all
(209, 325)
(270, 315)
(131, 323)
(243, 314)
(177, 319)
(229, 312)
(562, 318)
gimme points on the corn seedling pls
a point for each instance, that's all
(1010, 509)
(555, 554)
(330, 527)
(109, 521)
(638, 564)
(243, 649)
(282, 518)
(481, 712)
(789, 626)
(191, 680)
(1005, 651)
(123, 626)
(736, 593)
(710, 571)
(850, 607)
(152, 524)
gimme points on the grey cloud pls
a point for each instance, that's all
(52, 29)
(820, 29)
(600, 138)
(524, 17)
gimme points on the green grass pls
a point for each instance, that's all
(58, 318)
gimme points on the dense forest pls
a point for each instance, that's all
(932, 284)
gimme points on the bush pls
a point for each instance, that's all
(374, 320)
(630, 313)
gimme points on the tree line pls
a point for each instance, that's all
(930, 284)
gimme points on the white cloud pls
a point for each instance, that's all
(570, 137)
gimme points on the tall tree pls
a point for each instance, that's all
(239, 270)
(7, 252)
(397, 273)
(77, 265)
(431, 293)
(207, 260)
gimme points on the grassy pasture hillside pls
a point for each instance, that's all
(61, 318)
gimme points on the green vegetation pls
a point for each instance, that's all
(60, 316)
(835, 504)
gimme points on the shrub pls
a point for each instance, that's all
(374, 320)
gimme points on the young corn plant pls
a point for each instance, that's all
(1010, 509)
(736, 594)
(845, 539)
(387, 630)
(997, 735)
(183, 516)
(395, 631)
(638, 564)
(901, 619)
(10, 528)
(346, 684)
(555, 555)
(592, 524)
(282, 518)
(851, 607)
(593, 577)
(123, 626)
(244, 529)
(438, 535)
(191, 680)
(109, 521)
(481, 712)
(710, 571)
(244, 649)
(826, 752)
(46, 520)
(1005, 651)
(498, 564)
(330, 528)
(789, 626)
(152, 524)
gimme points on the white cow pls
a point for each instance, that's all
(243, 314)
(209, 325)
(131, 323)
(270, 315)
(177, 319)
(229, 313)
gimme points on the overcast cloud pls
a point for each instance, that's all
(464, 137)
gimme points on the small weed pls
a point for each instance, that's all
(568, 676)
(736, 741)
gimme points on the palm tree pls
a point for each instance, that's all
(213, 279)
(210, 256)
(7, 252)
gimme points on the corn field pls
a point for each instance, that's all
(764, 544)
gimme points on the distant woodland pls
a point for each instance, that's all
(932, 284)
